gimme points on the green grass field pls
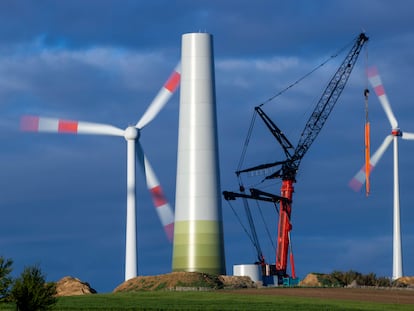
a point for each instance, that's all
(207, 301)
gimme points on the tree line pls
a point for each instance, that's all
(342, 279)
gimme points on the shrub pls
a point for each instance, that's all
(31, 292)
(383, 282)
(338, 278)
(5, 279)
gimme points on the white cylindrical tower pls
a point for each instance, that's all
(397, 269)
(198, 228)
(131, 231)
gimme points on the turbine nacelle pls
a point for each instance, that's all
(396, 132)
(132, 133)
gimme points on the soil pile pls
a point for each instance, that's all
(235, 282)
(311, 280)
(185, 281)
(70, 286)
(405, 281)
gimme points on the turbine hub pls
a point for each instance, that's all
(396, 132)
(131, 133)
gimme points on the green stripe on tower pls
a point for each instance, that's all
(198, 247)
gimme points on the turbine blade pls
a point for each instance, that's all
(359, 179)
(52, 125)
(162, 98)
(375, 80)
(408, 136)
(163, 208)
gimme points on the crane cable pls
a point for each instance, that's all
(307, 75)
(253, 235)
(265, 224)
(367, 135)
(246, 143)
(240, 221)
(243, 154)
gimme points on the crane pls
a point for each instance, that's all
(290, 166)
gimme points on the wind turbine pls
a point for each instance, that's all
(359, 179)
(134, 148)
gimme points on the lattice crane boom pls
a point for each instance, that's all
(327, 101)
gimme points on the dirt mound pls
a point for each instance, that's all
(234, 282)
(405, 281)
(184, 281)
(70, 286)
(311, 280)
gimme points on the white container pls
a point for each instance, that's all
(251, 270)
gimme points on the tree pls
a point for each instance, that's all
(5, 279)
(338, 278)
(31, 292)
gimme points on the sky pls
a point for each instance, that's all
(63, 197)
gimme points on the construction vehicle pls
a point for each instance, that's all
(288, 168)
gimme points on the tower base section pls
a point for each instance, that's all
(198, 247)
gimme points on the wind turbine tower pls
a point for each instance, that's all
(198, 228)
(359, 179)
